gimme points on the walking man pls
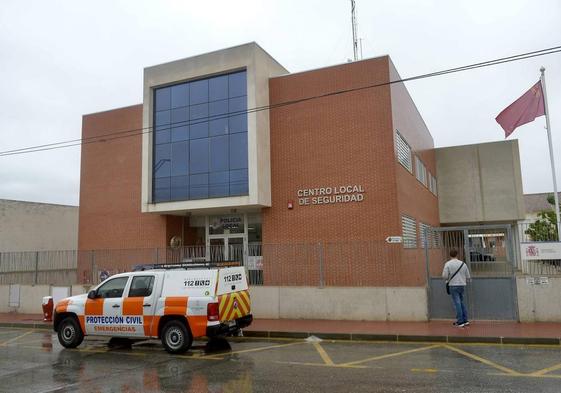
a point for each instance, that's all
(456, 274)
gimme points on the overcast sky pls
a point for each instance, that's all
(62, 59)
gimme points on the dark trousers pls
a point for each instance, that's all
(457, 294)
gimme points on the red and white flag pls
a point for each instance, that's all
(523, 110)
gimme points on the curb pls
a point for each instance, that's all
(407, 338)
(34, 325)
(359, 336)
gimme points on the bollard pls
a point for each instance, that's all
(48, 309)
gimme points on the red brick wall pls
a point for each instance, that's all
(331, 141)
(110, 177)
(414, 198)
(336, 140)
(344, 139)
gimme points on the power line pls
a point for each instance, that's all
(139, 131)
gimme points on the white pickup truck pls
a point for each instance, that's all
(175, 303)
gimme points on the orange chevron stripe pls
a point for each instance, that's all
(228, 308)
(231, 310)
(235, 312)
(224, 306)
(245, 302)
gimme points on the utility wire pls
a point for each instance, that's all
(139, 131)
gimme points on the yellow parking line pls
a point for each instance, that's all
(424, 370)
(546, 370)
(2, 331)
(391, 355)
(198, 356)
(482, 360)
(254, 349)
(522, 375)
(3, 344)
(321, 364)
(323, 354)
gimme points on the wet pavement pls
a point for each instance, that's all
(33, 361)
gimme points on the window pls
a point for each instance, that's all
(403, 151)
(200, 139)
(409, 229)
(432, 184)
(141, 286)
(424, 230)
(113, 288)
(420, 171)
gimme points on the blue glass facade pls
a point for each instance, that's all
(200, 139)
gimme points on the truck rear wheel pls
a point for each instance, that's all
(69, 333)
(176, 338)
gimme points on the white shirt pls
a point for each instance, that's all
(450, 268)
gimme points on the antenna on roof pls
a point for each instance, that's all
(353, 21)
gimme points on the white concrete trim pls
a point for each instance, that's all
(259, 67)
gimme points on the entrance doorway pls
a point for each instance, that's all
(489, 253)
(227, 248)
(227, 237)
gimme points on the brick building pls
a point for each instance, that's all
(230, 156)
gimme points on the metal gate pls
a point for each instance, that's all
(489, 253)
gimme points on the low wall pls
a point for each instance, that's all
(539, 302)
(31, 297)
(340, 303)
(349, 303)
(536, 302)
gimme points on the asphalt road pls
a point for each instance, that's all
(33, 361)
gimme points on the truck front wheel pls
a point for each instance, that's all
(175, 337)
(69, 333)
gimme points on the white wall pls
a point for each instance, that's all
(539, 303)
(536, 303)
(480, 183)
(30, 226)
(31, 298)
(349, 303)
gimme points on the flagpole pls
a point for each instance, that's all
(548, 128)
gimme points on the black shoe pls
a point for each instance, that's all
(466, 323)
(458, 324)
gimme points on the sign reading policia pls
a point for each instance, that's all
(329, 195)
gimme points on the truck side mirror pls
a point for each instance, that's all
(92, 294)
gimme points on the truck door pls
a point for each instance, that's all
(139, 305)
(103, 315)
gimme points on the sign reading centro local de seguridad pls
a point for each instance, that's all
(329, 195)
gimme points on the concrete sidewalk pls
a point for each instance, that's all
(434, 331)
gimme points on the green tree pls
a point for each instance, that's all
(544, 228)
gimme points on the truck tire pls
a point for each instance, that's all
(69, 333)
(176, 338)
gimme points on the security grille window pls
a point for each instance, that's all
(420, 171)
(200, 139)
(432, 184)
(424, 232)
(403, 151)
(409, 229)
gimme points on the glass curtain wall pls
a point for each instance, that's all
(200, 139)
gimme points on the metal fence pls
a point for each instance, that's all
(357, 263)
(538, 231)
(360, 263)
(38, 267)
